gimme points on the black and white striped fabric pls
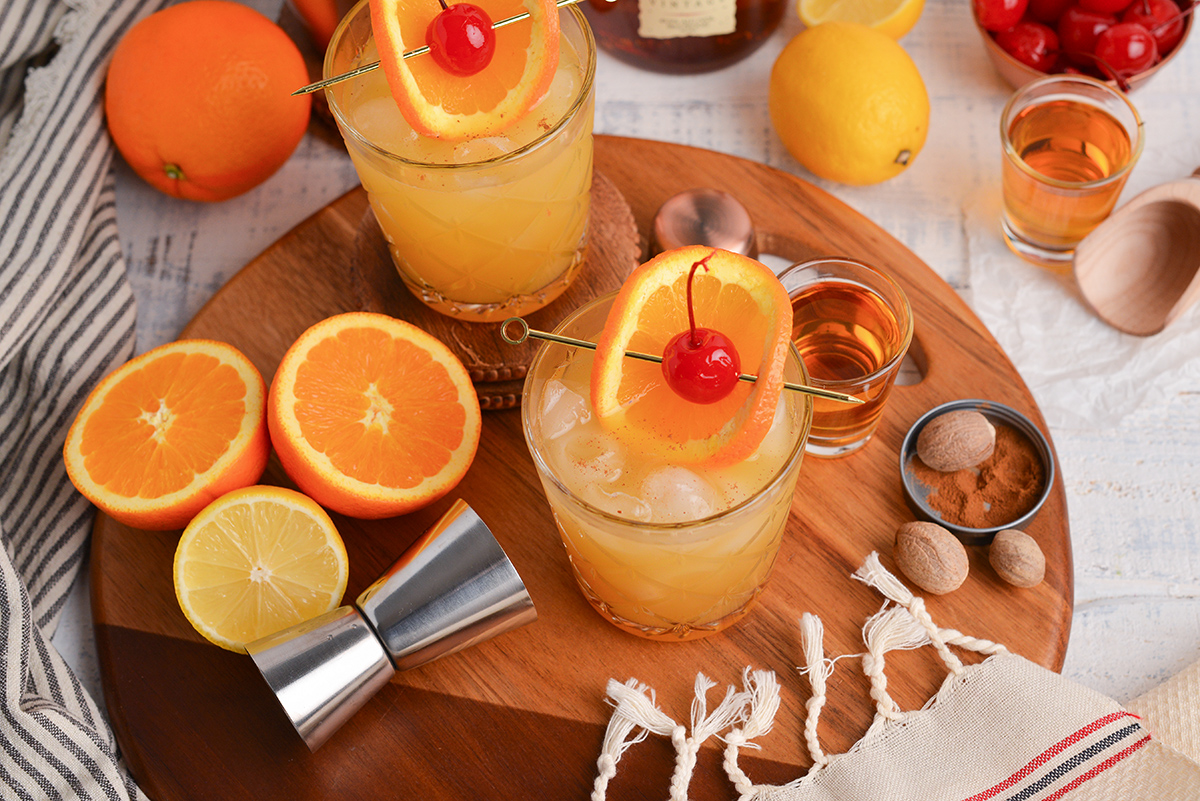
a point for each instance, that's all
(66, 318)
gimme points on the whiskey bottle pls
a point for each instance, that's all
(682, 36)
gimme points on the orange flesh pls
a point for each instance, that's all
(164, 424)
(381, 409)
(724, 307)
(438, 104)
(471, 93)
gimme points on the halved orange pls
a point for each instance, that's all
(439, 104)
(737, 296)
(167, 432)
(256, 561)
(373, 417)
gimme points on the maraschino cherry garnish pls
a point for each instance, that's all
(701, 365)
(461, 39)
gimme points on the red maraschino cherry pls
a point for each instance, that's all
(701, 365)
(1162, 18)
(461, 39)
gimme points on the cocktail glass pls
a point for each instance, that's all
(486, 228)
(663, 551)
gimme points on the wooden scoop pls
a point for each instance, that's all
(1138, 269)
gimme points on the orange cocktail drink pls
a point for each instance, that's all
(661, 547)
(485, 227)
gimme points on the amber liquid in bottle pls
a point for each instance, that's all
(682, 36)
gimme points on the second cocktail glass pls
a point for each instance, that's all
(486, 228)
(658, 549)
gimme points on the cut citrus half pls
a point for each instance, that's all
(893, 18)
(737, 296)
(256, 561)
(167, 432)
(372, 416)
(439, 104)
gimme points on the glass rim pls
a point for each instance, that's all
(1137, 141)
(585, 91)
(543, 468)
(909, 325)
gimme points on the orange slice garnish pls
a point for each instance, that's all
(737, 296)
(169, 431)
(439, 104)
(371, 416)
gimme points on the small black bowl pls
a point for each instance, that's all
(916, 492)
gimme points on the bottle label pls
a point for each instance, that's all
(671, 19)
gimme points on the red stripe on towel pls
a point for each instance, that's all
(1051, 752)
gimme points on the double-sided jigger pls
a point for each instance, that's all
(453, 588)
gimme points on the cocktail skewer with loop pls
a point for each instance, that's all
(524, 332)
(416, 51)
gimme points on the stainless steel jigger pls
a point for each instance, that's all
(453, 588)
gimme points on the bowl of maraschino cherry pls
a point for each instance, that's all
(1122, 42)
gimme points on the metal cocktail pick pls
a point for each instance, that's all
(417, 51)
(525, 332)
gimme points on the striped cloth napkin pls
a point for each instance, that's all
(66, 318)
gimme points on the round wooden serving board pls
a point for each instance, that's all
(523, 716)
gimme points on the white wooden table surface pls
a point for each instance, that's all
(1133, 485)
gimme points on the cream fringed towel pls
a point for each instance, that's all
(66, 319)
(1005, 729)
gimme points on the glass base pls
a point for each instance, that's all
(679, 632)
(516, 306)
(823, 450)
(1059, 261)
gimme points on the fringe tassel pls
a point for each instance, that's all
(812, 639)
(890, 629)
(762, 692)
(704, 726)
(874, 574)
(636, 714)
(979, 645)
(635, 709)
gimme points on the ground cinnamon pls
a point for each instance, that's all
(995, 492)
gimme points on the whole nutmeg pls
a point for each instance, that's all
(931, 557)
(956, 440)
(1017, 558)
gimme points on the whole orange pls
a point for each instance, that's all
(199, 99)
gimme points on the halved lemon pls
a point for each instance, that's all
(893, 18)
(737, 296)
(256, 561)
(439, 104)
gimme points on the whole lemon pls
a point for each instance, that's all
(849, 103)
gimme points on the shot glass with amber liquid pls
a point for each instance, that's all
(1069, 143)
(852, 325)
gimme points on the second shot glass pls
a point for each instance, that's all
(852, 325)
(1069, 144)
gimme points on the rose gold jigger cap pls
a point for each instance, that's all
(453, 588)
(704, 217)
